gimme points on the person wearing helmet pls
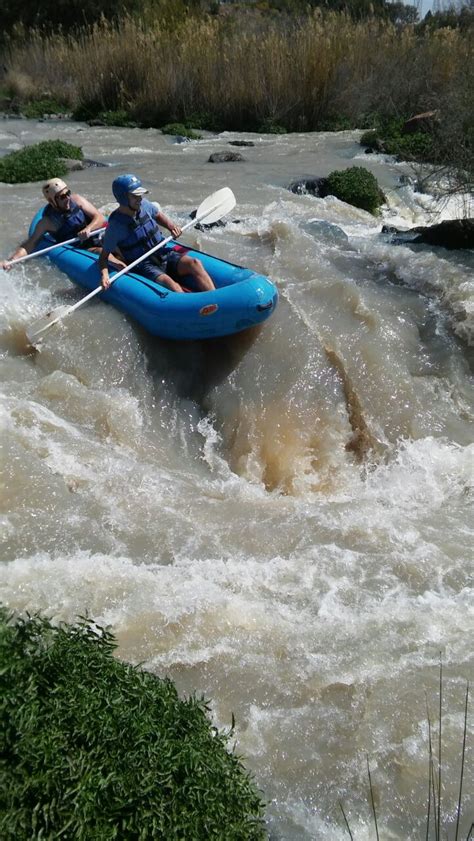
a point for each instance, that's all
(133, 229)
(66, 215)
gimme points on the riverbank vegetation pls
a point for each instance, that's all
(94, 748)
(307, 73)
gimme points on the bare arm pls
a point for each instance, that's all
(173, 228)
(97, 220)
(104, 268)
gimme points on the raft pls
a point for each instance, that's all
(242, 298)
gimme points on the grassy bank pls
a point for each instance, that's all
(92, 748)
(300, 74)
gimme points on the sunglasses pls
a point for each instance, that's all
(64, 195)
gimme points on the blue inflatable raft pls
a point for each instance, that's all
(241, 299)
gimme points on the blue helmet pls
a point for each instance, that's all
(125, 184)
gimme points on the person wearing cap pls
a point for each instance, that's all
(133, 229)
(66, 215)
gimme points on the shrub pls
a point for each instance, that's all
(369, 139)
(356, 186)
(117, 118)
(95, 748)
(179, 129)
(269, 126)
(40, 107)
(37, 162)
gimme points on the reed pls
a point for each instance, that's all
(438, 819)
(303, 74)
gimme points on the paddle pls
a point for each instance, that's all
(50, 248)
(214, 207)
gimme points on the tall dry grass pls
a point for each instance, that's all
(302, 75)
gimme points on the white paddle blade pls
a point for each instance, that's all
(216, 206)
(35, 331)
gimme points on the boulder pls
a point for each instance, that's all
(452, 234)
(421, 122)
(241, 143)
(313, 186)
(225, 157)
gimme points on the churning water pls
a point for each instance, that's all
(281, 520)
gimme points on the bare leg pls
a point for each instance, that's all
(166, 280)
(192, 266)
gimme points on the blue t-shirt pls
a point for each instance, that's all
(118, 226)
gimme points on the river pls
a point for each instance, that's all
(280, 521)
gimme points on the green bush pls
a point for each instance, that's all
(180, 130)
(38, 162)
(388, 135)
(369, 139)
(418, 146)
(39, 107)
(93, 748)
(117, 118)
(269, 126)
(356, 186)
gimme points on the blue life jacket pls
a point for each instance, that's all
(142, 234)
(70, 222)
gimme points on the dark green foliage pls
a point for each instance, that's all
(269, 126)
(356, 186)
(92, 748)
(369, 139)
(418, 146)
(179, 129)
(116, 118)
(389, 138)
(40, 107)
(38, 162)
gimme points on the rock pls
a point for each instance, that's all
(313, 185)
(88, 163)
(95, 122)
(326, 232)
(201, 226)
(241, 143)
(72, 165)
(421, 122)
(224, 157)
(377, 146)
(452, 234)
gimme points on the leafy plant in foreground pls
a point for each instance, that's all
(93, 748)
(38, 162)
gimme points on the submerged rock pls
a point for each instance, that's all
(326, 231)
(452, 234)
(225, 157)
